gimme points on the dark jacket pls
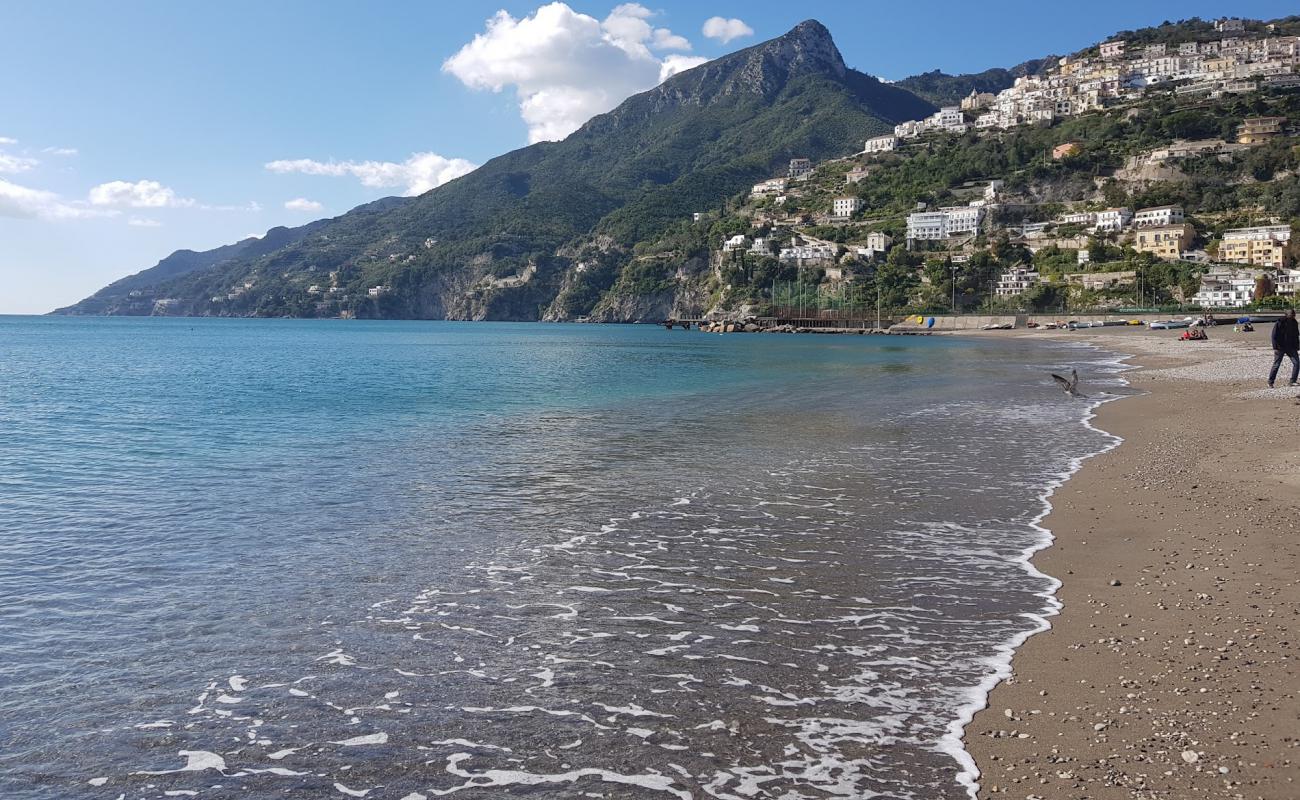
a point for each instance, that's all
(1286, 335)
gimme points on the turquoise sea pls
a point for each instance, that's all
(281, 558)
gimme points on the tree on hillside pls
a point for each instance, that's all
(1263, 288)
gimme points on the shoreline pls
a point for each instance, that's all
(954, 742)
(1130, 700)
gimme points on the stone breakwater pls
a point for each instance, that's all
(756, 326)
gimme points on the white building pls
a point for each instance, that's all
(992, 190)
(1287, 282)
(1112, 220)
(769, 187)
(1158, 216)
(807, 255)
(799, 168)
(947, 221)
(379, 291)
(1226, 290)
(925, 225)
(1016, 282)
(1113, 49)
(881, 144)
(736, 242)
(847, 206)
(949, 118)
(963, 219)
(1230, 25)
(909, 129)
(761, 246)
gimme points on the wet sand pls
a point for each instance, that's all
(1172, 670)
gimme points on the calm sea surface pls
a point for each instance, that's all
(272, 558)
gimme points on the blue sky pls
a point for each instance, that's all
(129, 130)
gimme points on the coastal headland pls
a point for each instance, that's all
(1171, 671)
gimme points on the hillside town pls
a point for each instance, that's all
(1098, 252)
(1114, 72)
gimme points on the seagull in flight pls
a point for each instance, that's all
(1069, 385)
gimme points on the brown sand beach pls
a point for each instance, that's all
(1172, 670)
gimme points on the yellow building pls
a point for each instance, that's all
(1166, 241)
(1262, 246)
(1257, 130)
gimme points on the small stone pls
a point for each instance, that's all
(1190, 756)
(1114, 582)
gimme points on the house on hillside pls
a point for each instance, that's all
(808, 255)
(1257, 130)
(800, 168)
(1015, 282)
(768, 188)
(1226, 289)
(1166, 242)
(1112, 220)
(1287, 282)
(946, 222)
(1065, 149)
(881, 144)
(1158, 216)
(1261, 246)
(735, 243)
(877, 244)
(843, 208)
(857, 174)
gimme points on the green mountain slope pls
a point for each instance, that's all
(135, 294)
(505, 240)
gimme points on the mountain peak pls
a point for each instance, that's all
(807, 47)
(763, 69)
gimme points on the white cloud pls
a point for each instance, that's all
(566, 67)
(143, 222)
(7, 140)
(664, 39)
(10, 163)
(141, 194)
(303, 204)
(60, 151)
(418, 174)
(26, 203)
(724, 30)
(675, 64)
(627, 26)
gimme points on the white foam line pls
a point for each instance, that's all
(501, 777)
(953, 741)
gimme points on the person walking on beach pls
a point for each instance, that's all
(1286, 342)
